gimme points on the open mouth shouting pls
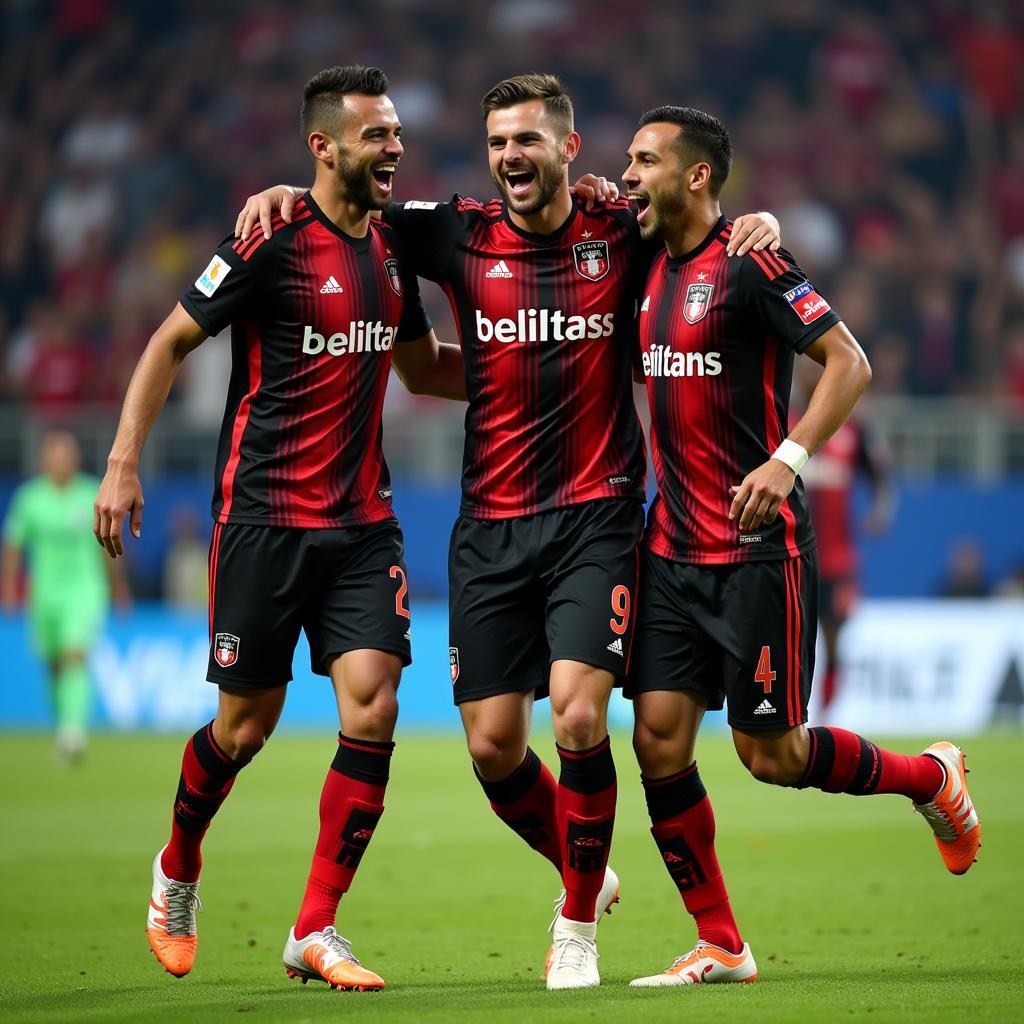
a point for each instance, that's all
(519, 181)
(643, 204)
(384, 176)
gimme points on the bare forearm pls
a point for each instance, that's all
(448, 379)
(147, 392)
(429, 367)
(846, 376)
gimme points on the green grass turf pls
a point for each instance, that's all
(845, 902)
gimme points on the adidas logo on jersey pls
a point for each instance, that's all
(646, 304)
(616, 646)
(661, 361)
(331, 287)
(764, 708)
(500, 269)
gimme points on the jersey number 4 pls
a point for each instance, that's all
(764, 674)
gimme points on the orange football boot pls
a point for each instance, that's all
(171, 923)
(327, 956)
(950, 812)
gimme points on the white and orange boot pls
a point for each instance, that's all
(951, 813)
(327, 956)
(705, 964)
(171, 923)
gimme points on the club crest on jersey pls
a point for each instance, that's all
(453, 659)
(591, 259)
(225, 649)
(394, 277)
(698, 301)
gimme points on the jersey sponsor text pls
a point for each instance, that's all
(662, 361)
(544, 325)
(361, 337)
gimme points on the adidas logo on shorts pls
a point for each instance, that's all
(616, 646)
(764, 708)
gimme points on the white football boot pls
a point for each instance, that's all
(704, 965)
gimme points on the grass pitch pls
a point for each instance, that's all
(845, 902)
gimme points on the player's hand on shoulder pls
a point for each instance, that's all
(594, 189)
(120, 494)
(759, 497)
(261, 208)
(753, 232)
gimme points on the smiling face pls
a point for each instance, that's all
(657, 180)
(527, 155)
(368, 150)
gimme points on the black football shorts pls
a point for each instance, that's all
(345, 587)
(744, 632)
(527, 591)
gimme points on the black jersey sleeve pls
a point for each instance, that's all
(428, 232)
(230, 287)
(415, 322)
(778, 295)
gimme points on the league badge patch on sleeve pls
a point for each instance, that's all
(210, 279)
(807, 303)
(453, 659)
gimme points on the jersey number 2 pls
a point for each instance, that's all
(398, 573)
(764, 674)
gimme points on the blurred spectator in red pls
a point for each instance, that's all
(856, 62)
(59, 367)
(992, 51)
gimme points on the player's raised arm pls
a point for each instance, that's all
(261, 208)
(120, 492)
(427, 366)
(847, 373)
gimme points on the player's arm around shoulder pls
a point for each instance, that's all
(752, 232)
(120, 492)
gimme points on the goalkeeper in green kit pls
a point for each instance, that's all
(49, 523)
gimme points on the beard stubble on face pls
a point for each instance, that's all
(356, 180)
(548, 178)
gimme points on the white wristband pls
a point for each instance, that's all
(792, 454)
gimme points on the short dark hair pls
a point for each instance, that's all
(703, 137)
(322, 98)
(533, 86)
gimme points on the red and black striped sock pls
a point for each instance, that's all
(207, 775)
(351, 804)
(586, 816)
(525, 801)
(843, 762)
(683, 826)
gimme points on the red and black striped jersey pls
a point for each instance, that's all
(547, 328)
(718, 337)
(314, 314)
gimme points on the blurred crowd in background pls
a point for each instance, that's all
(887, 137)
